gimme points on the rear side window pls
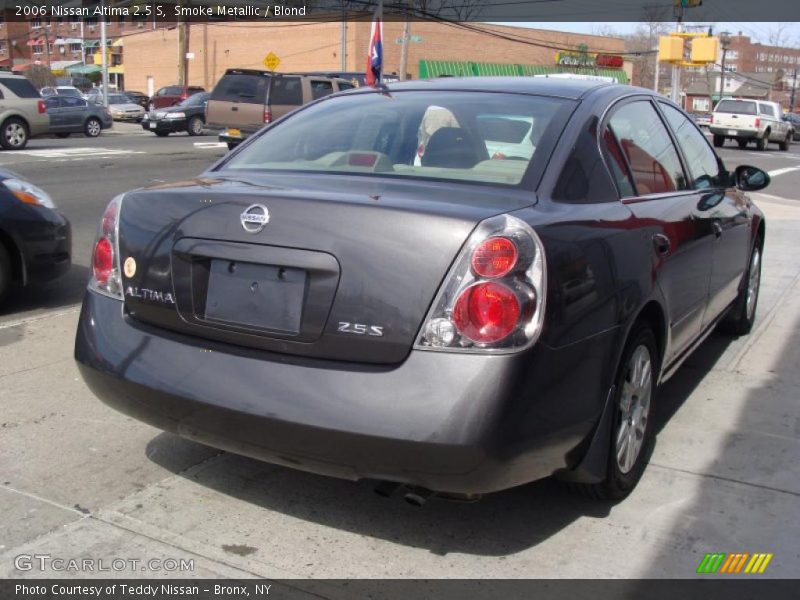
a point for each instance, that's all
(320, 89)
(286, 90)
(196, 90)
(22, 88)
(650, 155)
(767, 109)
(345, 86)
(69, 102)
(241, 87)
(700, 158)
(741, 107)
(173, 90)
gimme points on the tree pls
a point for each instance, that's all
(40, 76)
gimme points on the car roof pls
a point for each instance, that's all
(540, 86)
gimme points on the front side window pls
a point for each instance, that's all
(469, 136)
(700, 158)
(650, 155)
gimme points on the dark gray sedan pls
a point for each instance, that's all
(75, 115)
(459, 285)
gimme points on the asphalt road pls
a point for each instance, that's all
(80, 480)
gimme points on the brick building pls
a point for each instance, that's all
(151, 58)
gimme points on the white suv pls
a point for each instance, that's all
(750, 121)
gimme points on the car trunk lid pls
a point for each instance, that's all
(334, 274)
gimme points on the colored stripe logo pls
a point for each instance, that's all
(735, 563)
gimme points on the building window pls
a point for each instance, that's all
(700, 104)
(36, 24)
(37, 49)
(74, 48)
(3, 48)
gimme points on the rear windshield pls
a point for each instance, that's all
(736, 106)
(241, 87)
(22, 88)
(470, 136)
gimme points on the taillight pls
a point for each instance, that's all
(267, 115)
(494, 257)
(102, 261)
(106, 277)
(711, 120)
(758, 122)
(493, 298)
(41, 106)
(486, 312)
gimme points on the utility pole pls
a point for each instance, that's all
(104, 54)
(674, 93)
(725, 42)
(343, 39)
(794, 91)
(404, 47)
(183, 46)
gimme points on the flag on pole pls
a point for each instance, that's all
(375, 52)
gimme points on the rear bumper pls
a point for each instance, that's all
(448, 422)
(743, 134)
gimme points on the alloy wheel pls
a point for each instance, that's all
(753, 283)
(15, 134)
(634, 406)
(93, 128)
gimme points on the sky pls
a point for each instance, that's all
(758, 32)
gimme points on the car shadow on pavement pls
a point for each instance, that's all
(62, 292)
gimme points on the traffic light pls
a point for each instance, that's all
(705, 49)
(670, 48)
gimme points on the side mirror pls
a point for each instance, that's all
(750, 179)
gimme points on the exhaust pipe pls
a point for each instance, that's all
(417, 496)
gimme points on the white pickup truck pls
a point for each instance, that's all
(750, 121)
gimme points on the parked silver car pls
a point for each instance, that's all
(122, 109)
(22, 112)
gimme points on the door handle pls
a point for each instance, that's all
(661, 244)
(717, 228)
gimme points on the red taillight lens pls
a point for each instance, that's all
(102, 261)
(267, 116)
(494, 257)
(711, 120)
(42, 108)
(486, 312)
(758, 122)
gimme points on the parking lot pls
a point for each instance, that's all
(80, 480)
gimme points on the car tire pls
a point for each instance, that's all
(161, 133)
(761, 144)
(742, 315)
(784, 145)
(14, 134)
(92, 128)
(232, 145)
(742, 144)
(632, 424)
(6, 274)
(62, 135)
(719, 141)
(195, 126)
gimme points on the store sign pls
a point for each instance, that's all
(587, 59)
(612, 61)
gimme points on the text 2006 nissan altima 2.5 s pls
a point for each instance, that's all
(458, 285)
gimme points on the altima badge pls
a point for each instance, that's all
(255, 218)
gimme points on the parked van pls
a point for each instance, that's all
(245, 99)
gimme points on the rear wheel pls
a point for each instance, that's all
(742, 144)
(784, 145)
(93, 127)
(632, 431)
(761, 143)
(718, 141)
(5, 273)
(742, 315)
(232, 145)
(195, 126)
(14, 134)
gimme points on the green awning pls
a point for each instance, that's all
(91, 43)
(429, 69)
(84, 69)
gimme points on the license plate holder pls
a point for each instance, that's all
(249, 295)
(237, 133)
(732, 132)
